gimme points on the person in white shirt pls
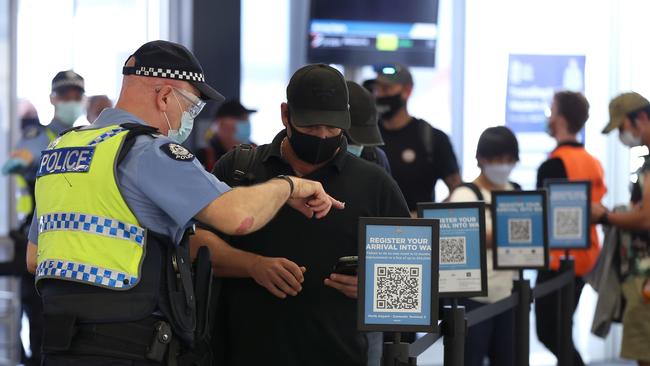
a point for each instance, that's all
(497, 154)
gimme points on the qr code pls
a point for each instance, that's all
(567, 222)
(453, 250)
(397, 288)
(520, 231)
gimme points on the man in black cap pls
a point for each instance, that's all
(419, 154)
(294, 310)
(231, 127)
(364, 136)
(115, 203)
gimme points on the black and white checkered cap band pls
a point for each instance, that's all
(158, 72)
(68, 82)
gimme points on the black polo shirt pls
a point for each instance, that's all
(419, 155)
(318, 326)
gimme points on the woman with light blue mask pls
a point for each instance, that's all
(497, 154)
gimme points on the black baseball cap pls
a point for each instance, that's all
(169, 60)
(393, 74)
(65, 80)
(317, 95)
(233, 108)
(364, 128)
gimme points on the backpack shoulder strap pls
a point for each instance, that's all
(426, 133)
(516, 186)
(474, 188)
(135, 130)
(243, 159)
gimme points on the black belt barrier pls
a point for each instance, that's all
(455, 322)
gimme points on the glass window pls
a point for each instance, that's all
(5, 106)
(89, 36)
(264, 60)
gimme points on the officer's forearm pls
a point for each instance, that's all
(244, 210)
(31, 257)
(226, 260)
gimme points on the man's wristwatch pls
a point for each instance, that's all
(289, 180)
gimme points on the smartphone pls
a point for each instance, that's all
(347, 265)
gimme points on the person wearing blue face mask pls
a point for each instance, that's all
(496, 154)
(363, 135)
(66, 96)
(231, 127)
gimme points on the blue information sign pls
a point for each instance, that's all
(532, 81)
(519, 229)
(462, 247)
(569, 210)
(398, 274)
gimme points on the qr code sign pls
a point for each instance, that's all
(567, 222)
(397, 288)
(453, 250)
(520, 231)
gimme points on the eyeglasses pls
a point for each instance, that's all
(197, 104)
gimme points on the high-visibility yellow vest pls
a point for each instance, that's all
(86, 231)
(24, 198)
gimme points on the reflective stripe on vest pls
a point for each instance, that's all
(24, 200)
(87, 232)
(580, 165)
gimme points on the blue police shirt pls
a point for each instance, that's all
(35, 139)
(164, 193)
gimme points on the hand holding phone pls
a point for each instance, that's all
(347, 265)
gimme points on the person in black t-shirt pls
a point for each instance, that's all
(231, 127)
(419, 154)
(287, 308)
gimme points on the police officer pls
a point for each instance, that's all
(114, 205)
(66, 96)
(363, 135)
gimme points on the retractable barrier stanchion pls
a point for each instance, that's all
(522, 319)
(454, 329)
(567, 300)
(396, 353)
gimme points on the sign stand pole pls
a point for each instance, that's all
(396, 353)
(454, 329)
(567, 300)
(522, 320)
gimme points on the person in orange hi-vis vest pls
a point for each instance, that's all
(569, 160)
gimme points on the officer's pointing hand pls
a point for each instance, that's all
(310, 198)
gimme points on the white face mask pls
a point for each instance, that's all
(628, 139)
(187, 123)
(498, 174)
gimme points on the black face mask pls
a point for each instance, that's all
(389, 106)
(312, 149)
(29, 122)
